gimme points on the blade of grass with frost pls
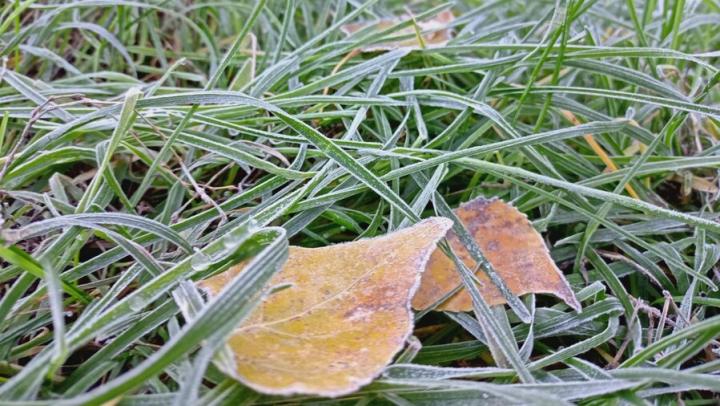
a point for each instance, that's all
(482, 263)
(431, 372)
(128, 220)
(528, 345)
(21, 259)
(214, 254)
(13, 14)
(674, 123)
(206, 97)
(280, 204)
(674, 356)
(621, 95)
(135, 250)
(470, 324)
(562, 324)
(578, 348)
(191, 303)
(191, 385)
(568, 13)
(127, 246)
(345, 160)
(214, 78)
(103, 34)
(314, 41)
(558, 325)
(60, 347)
(289, 9)
(540, 162)
(710, 325)
(111, 179)
(599, 194)
(507, 394)
(125, 122)
(20, 173)
(18, 82)
(582, 52)
(373, 90)
(102, 361)
(530, 140)
(57, 9)
(650, 168)
(26, 387)
(470, 391)
(242, 157)
(427, 189)
(610, 225)
(502, 346)
(356, 71)
(220, 316)
(417, 371)
(444, 157)
(112, 293)
(613, 282)
(479, 95)
(408, 22)
(114, 254)
(556, 31)
(12, 300)
(630, 76)
(671, 376)
(684, 350)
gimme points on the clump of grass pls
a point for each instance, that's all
(149, 144)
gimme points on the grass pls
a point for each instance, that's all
(147, 144)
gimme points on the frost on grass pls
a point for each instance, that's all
(513, 247)
(344, 315)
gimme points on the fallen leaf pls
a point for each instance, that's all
(436, 32)
(513, 247)
(344, 314)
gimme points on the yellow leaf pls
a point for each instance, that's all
(436, 32)
(344, 316)
(513, 247)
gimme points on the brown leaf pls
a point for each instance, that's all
(344, 316)
(513, 247)
(437, 32)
